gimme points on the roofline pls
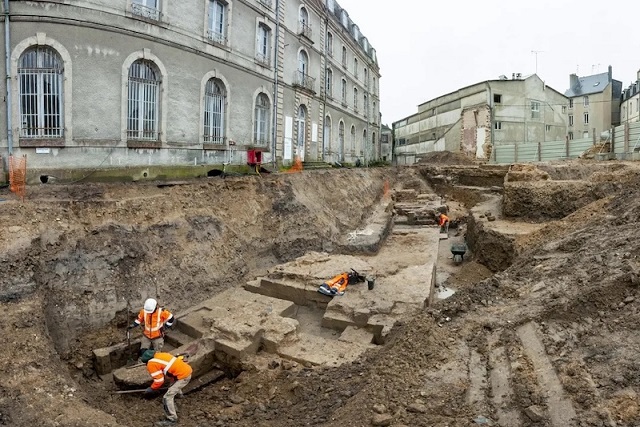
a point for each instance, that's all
(488, 82)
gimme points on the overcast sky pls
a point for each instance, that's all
(430, 48)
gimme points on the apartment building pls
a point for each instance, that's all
(107, 83)
(630, 102)
(473, 119)
(594, 105)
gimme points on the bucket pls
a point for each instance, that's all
(371, 283)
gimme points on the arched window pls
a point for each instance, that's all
(326, 137)
(215, 101)
(303, 63)
(355, 99)
(355, 67)
(304, 17)
(329, 44)
(341, 140)
(344, 56)
(366, 77)
(344, 91)
(41, 75)
(329, 83)
(364, 141)
(302, 128)
(262, 113)
(353, 138)
(143, 101)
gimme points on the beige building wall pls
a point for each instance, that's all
(473, 119)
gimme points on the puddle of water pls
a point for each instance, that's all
(444, 293)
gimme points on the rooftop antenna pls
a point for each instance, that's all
(536, 52)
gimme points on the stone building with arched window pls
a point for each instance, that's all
(117, 83)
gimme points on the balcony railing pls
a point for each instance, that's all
(304, 80)
(263, 59)
(145, 11)
(217, 37)
(304, 30)
(267, 3)
(214, 140)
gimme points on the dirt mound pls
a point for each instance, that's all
(446, 158)
(525, 172)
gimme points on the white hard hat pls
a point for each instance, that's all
(150, 305)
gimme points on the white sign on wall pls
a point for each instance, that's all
(288, 138)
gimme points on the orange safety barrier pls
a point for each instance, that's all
(18, 175)
(297, 166)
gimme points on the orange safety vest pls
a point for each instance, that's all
(165, 363)
(154, 321)
(339, 282)
(443, 220)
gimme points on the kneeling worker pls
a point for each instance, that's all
(159, 364)
(443, 222)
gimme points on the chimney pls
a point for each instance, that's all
(574, 82)
(610, 73)
(513, 76)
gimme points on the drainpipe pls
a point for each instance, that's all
(7, 47)
(324, 83)
(275, 87)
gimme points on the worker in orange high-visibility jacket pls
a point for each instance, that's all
(160, 365)
(443, 222)
(154, 321)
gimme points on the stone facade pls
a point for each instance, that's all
(630, 103)
(107, 83)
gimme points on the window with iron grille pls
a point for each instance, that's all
(261, 128)
(142, 112)
(215, 100)
(217, 30)
(40, 72)
(146, 8)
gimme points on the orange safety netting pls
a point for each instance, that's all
(297, 166)
(18, 175)
(385, 189)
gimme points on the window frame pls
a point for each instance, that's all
(262, 120)
(263, 44)
(212, 100)
(571, 120)
(585, 117)
(329, 43)
(328, 83)
(36, 77)
(218, 35)
(143, 92)
(535, 109)
(585, 100)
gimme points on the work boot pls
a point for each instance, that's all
(166, 423)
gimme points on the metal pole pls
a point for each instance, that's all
(7, 48)
(275, 87)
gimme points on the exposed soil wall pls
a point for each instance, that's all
(544, 200)
(494, 250)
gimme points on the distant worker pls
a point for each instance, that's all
(443, 222)
(154, 320)
(159, 365)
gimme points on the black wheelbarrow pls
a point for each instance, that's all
(458, 251)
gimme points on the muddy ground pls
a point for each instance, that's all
(550, 341)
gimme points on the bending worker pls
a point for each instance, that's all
(443, 222)
(154, 320)
(159, 364)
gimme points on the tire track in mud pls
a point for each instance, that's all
(561, 411)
